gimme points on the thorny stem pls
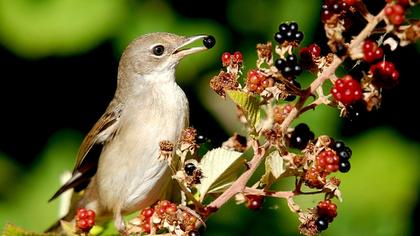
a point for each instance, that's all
(240, 184)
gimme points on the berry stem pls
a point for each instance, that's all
(239, 185)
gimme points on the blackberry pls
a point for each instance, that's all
(344, 166)
(356, 110)
(209, 41)
(279, 37)
(193, 233)
(288, 32)
(344, 154)
(189, 168)
(280, 64)
(301, 136)
(321, 223)
(289, 67)
(293, 26)
(338, 146)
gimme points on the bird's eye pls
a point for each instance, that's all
(158, 50)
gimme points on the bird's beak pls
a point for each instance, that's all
(182, 50)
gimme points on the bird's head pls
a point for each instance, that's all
(157, 54)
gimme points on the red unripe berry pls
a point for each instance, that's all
(226, 58)
(165, 203)
(397, 19)
(327, 208)
(237, 57)
(254, 202)
(395, 14)
(327, 161)
(146, 227)
(315, 50)
(287, 109)
(85, 219)
(369, 45)
(148, 212)
(171, 209)
(404, 3)
(346, 90)
(350, 2)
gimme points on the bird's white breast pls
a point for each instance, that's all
(131, 157)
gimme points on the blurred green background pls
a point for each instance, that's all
(58, 63)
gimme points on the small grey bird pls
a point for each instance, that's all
(148, 107)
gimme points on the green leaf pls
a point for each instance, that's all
(13, 230)
(248, 103)
(220, 168)
(274, 168)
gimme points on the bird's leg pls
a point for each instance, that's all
(119, 222)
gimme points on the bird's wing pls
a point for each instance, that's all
(90, 149)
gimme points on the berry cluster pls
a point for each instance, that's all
(254, 202)
(336, 8)
(288, 33)
(300, 136)
(309, 55)
(85, 219)
(384, 74)
(346, 90)
(327, 161)
(229, 59)
(395, 14)
(256, 81)
(145, 216)
(344, 153)
(289, 67)
(327, 211)
(371, 51)
(166, 213)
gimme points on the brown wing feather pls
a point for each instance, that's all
(87, 160)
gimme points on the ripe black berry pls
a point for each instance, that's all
(293, 26)
(298, 36)
(321, 223)
(209, 41)
(283, 28)
(280, 64)
(356, 110)
(301, 136)
(279, 37)
(344, 166)
(297, 70)
(193, 233)
(287, 71)
(189, 168)
(338, 146)
(291, 58)
(344, 155)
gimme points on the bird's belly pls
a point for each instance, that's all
(130, 175)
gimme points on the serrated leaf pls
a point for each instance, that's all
(220, 168)
(13, 230)
(274, 168)
(248, 103)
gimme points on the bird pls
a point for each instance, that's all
(118, 166)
